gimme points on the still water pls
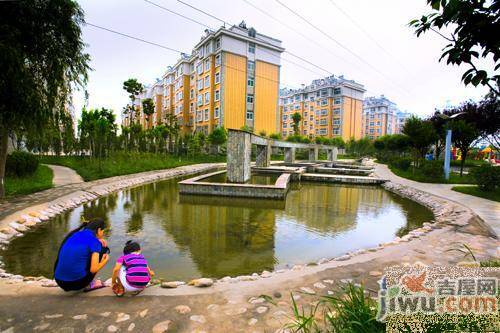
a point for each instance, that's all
(191, 236)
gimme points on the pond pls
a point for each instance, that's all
(184, 237)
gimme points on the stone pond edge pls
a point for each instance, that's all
(446, 213)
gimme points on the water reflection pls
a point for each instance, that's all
(190, 236)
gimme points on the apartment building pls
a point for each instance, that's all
(329, 107)
(230, 79)
(381, 117)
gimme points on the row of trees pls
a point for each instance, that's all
(470, 123)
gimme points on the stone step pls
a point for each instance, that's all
(343, 171)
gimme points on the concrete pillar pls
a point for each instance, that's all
(239, 149)
(263, 156)
(289, 155)
(335, 152)
(329, 154)
(313, 154)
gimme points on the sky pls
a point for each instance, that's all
(378, 50)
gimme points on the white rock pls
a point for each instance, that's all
(328, 281)
(49, 284)
(81, 317)
(261, 309)
(252, 321)
(343, 258)
(256, 300)
(246, 278)
(307, 290)
(235, 311)
(202, 283)
(112, 328)
(172, 284)
(143, 313)
(266, 274)
(212, 307)
(131, 327)
(226, 279)
(105, 314)
(54, 316)
(122, 317)
(319, 285)
(297, 268)
(198, 318)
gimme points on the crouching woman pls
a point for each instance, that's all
(82, 254)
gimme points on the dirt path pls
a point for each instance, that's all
(64, 176)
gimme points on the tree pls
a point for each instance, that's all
(218, 137)
(421, 135)
(148, 108)
(439, 121)
(134, 88)
(42, 59)
(296, 117)
(487, 120)
(475, 26)
(463, 135)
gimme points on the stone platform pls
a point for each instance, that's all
(197, 186)
(326, 178)
(343, 171)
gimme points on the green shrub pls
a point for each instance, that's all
(401, 163)
(487, 177)
(20, 163)
(432, 169)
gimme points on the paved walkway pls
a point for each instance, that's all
(64, 176)
(487, 210)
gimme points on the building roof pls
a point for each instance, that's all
(327, 82)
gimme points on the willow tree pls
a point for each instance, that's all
(43, 57)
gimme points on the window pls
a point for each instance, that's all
(249, 115)
(305, 114)
(322, 121)
(297, 107)
(305, 122)
(217, 95)
(371, 123)
(216, 112)
(217, 60)
(199, 69)
(199, 116)
(336, 111)
(217, 77)
(297, 97)
(207, 81)
(217, 43)
(324, 92)
(191, 94)
(251, 47)
(200, 100)
(251, 66)
(207, 64)
(324, 112)
(322, 131)
(337, 91)
(285, 125)
(207, 49)
(311, 108)
(285, 117)
(336, 131)
(191, 107)
(205, 115)
(378, 123)
(324, 102)
(200, 84)
(250, 82)
(336, 121)
(207, 97)
(250, 99)
(338, 100)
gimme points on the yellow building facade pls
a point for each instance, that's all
(329, 107)
(231, 79)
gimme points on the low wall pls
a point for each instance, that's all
(197, 186)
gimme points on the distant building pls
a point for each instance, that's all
(381, 117)
(330, 107)
(231, 79)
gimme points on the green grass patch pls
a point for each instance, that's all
(475, 191)
(419, 176)
(40, 180)
(468, 163)
(126, 163)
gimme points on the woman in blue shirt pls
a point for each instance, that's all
(82, 254)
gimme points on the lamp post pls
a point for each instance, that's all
(447, 150)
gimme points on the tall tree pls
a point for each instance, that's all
(296, 117)
(463, 135)
(474, 26)
(148, 108)
(134, 88)
(421, 135)
(42, 56)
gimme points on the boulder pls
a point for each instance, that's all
(201, 283)
(172, 284)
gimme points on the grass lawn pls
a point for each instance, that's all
(468, 163)
(475, 191)
(421, 177)
(38, 181)
(126, 163)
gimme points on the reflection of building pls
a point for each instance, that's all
(382, 117)
(230, 79)
(329, 107)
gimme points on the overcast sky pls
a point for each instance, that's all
(394, 62)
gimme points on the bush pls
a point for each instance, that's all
(20, 163)
(401, 163)
(432, 169)
(487, 177)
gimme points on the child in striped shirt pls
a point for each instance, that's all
(131, 272)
